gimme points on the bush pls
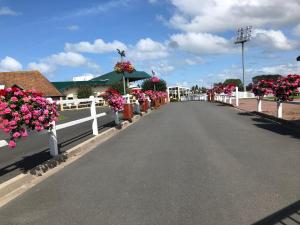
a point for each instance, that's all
(149, 85)
(84, 91)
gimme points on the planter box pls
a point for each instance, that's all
(144, 106)
(128, 111)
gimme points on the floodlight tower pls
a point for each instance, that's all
(243, 36)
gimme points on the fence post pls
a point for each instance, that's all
(279, 109)
(236, 96)
(230, 100)
(93, 114)
(61, 104)
(259, 104)
(53, 146)
(225, 99)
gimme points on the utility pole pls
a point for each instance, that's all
(243, 36)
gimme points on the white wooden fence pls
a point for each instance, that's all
(228, 99)
(53, 144)
(194, 97)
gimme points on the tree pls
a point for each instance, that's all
(149, 85)
(274, 77)
(120, 87)
(237, 82)
(84, 91)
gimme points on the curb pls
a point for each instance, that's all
(14, 187)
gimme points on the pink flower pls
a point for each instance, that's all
(13, 106)
(16, 134)
(24, 133)
(46, 112)
(14, 99)
(41, 118)
(24, 109)
(12, 123)
(7, 111)
(12, 144)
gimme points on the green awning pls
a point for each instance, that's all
(114, 77)
(63, 85)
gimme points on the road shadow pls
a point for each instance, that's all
(287, 215)
(29, 162)
(287, 128)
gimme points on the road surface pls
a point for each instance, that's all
(188, 163)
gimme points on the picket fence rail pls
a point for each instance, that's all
(279, 107)
(53, 144)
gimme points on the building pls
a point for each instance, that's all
(70, 88)
(85, 77)
(27, 80)
(175, 92)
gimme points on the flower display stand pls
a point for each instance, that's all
(128, 112)
(144, 106)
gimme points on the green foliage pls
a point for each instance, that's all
(149, 85)
(237, 82)
(120, 88)
(266, 77)
(84, 91)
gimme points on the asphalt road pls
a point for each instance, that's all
(33, 150)
(189, 163)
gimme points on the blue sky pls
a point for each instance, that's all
(185, 41)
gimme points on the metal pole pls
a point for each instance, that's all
(124, 85)
(243, 63)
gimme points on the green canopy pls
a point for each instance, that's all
(114, 77)
(63, 85)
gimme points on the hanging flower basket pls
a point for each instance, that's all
(122, 67)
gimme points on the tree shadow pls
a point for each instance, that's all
(287, 215)
(29, 162)
(275, 125)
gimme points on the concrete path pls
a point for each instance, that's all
(189, 163)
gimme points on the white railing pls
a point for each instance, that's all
(194, 97)
(78, 103)
(279, 108)
(53, 144)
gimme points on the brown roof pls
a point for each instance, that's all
(29, 80)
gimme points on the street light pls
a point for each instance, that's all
(243, 36)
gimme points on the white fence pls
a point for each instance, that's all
(229, 99)
(195, 97)
(53, 144)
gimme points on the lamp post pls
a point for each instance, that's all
(243, 36)
(122, 55)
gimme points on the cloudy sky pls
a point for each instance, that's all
(184, 41)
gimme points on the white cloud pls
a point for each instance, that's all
(10, 64)
(273, 39)
(162, 68)
(220, 15)
(68, 59)
(6, 11)
(283, 69)
(42, 67)
(99, 46)
(73, 27)
(296, 30)
(147, 49)
(194, 61)
(201, 43)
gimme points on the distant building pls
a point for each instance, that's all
(84, 77)
(26, 80)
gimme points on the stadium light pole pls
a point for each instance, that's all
(243, 36)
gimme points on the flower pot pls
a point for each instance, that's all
(156, 103)
(144, 106)
(128, 112)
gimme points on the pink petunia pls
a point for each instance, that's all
(12, 144)
(14, 99)
(16, 134)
